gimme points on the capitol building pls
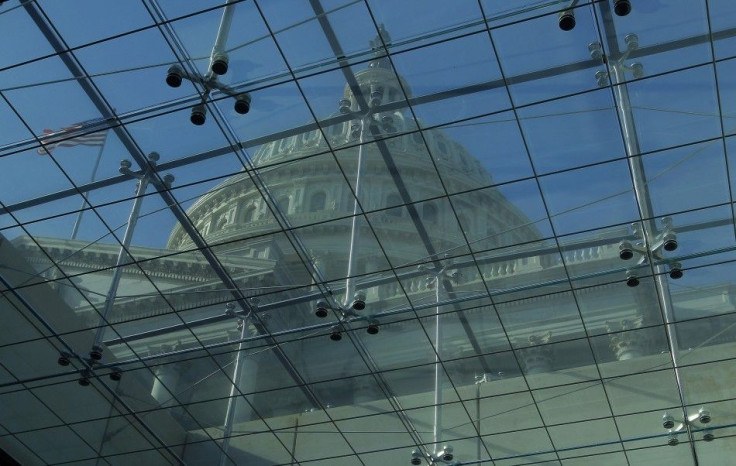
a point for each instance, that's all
(366, 292)
(315, 201)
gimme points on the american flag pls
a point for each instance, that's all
(64, 137)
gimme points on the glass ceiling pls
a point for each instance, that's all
(368, 232)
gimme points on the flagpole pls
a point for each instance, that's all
(75, 229)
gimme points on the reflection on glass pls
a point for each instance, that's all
(382, 254)
(586, 438)
(676, 108)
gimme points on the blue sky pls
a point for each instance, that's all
(675, 109)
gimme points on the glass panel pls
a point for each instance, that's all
(502, 368)
(677, 456)
(448, 69)
(173, 133)
(320, 200)
(413, 173)
(14, 129)
(514, 273)
(138, 80)
(539, 322)
(705, 339)
(379, 458)
(640, 392)
(365, 433)
(515, 215)
(636, 307)
(65, 398)
(499, 15)
(41, 364)
(115, 436)
(586, 438)
(703, 237)
(28, 166)
(571, 362)
(18, 23)
(707, 452)
(77, 31)
(665, 118)
(19, 327)
(352, 26)
(595, 123)
(262, 120)
(51, 219)
(607, 459)
(390, 352)
(246, 45)
(484, 100)
(670, 182)
(572, 403)
(631, 348)
(324, 92)
(556, 63)
(308, 438)
(691, 301)
(189, 7)
(244, 448)
(61, 94)
(23, 411)
(479, 134)
(699, 384)
(644, 429)
(503, 413)
(438, 19)
(220, 175)
(140, 457)
(534, 446)
(311, 357)
(57, 444)
(574, 207)
(721, 26)
(727, 87)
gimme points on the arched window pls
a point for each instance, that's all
(221, 222)
(317, 202)
(267, 151)
(429, 213)
(205, 229)
(337, 131)
(310, 136)
(287, 144)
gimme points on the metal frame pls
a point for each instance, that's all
(628, 130)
